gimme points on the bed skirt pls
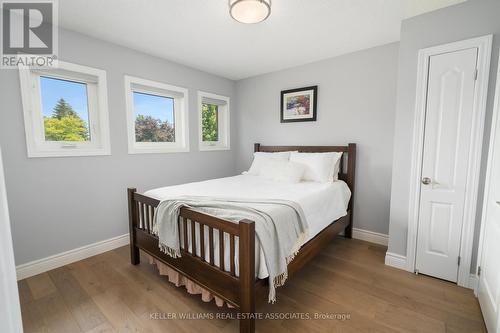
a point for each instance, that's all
(180, 280)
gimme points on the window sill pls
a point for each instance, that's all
(152, 150)
(213, 148)
(69, 153)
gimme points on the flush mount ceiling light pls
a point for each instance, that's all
(250, 11)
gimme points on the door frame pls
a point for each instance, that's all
(494, 124)
(484, 45)
(10, 311)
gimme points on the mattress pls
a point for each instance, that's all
(322, 203)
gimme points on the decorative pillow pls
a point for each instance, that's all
(320, 167)
(259, 157)
(282, 170)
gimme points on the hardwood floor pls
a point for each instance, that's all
(349, 279)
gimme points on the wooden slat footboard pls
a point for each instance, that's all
(195, 263)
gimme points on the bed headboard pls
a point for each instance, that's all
(347, 165)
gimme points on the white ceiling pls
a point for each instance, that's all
(201, 34)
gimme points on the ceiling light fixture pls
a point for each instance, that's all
(250, 11)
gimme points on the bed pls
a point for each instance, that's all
(223, 257)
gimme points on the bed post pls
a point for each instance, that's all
(351, 169)
(256, 147)
(134, 250)
(247, 275)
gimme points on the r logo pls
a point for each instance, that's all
(27, 28)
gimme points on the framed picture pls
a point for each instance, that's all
(299, 104)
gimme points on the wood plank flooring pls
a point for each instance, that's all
(348, 284)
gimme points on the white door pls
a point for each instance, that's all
(447, 137)
(489, 278)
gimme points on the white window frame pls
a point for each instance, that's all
(223, 126)
(97, 102)
(179, 95)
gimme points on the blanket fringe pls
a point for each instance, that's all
(169, 251)
(296, 248)
(280, 279)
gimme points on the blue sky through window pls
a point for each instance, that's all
(158, 107)
(74, 93)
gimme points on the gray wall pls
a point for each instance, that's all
(58, 204)
(356, 103)
(470, 19)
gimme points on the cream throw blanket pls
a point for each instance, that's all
(280, 226)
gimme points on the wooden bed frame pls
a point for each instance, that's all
(239, 291)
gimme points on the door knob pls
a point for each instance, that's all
(426, 181)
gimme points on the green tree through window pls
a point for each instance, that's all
(209, 120)
(63, 109)
(65, 124)
(149, 129)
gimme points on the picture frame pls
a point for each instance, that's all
(299, 104)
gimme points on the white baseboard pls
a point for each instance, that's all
(395, 260)
(473, 282)
(46, 264)
(399, 261)
(370, 236)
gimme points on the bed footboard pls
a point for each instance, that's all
(198, 261)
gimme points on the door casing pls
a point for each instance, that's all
(10, 310)
(489, 170)
(484, 45)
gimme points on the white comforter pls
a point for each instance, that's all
(322, 203)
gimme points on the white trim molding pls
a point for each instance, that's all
(495, 127)
(399, 261)
(46, 264)
(180, 97)
(473, 282)
(483, 44)
(94, 80)
(370, 236)
(10, 310)
(395, 260)
(223, 121)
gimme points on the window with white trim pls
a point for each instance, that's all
(65, 111)
(213, 121)
(156, 116)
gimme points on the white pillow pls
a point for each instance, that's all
(259, 157)
(336, 169)
(320, 167)
(282, 170)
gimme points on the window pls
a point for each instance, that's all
(214, 121)
(65, 111)
(157, 117)
(154, 118)
(210, 122)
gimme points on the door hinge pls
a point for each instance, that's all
(479, 271)
(459, 260)
(476, 72)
